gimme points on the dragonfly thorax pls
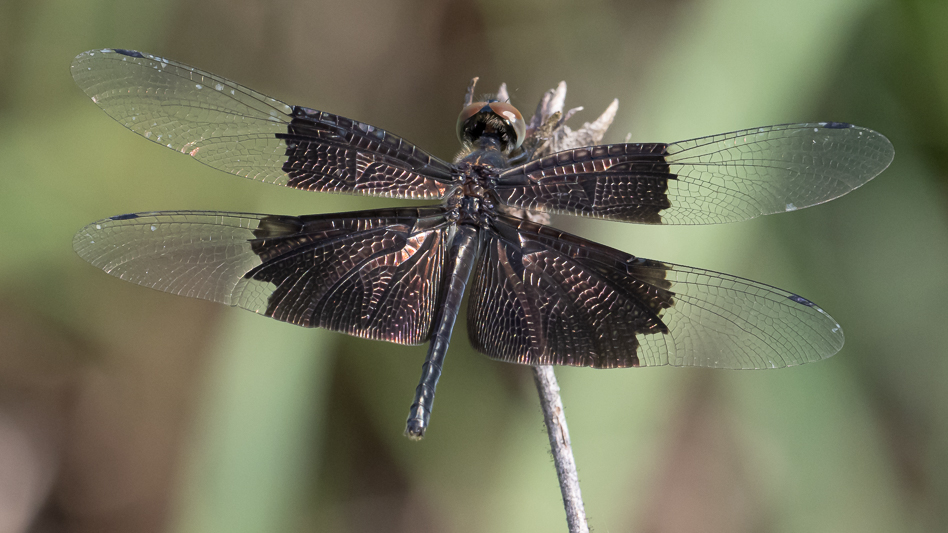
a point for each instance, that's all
(472, 200)
(479, 164)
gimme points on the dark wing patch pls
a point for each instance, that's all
(238, 130)
(721, 178)
(373, 274)
(627, 182)
(545, 297)
(542, 299)
(329, 153)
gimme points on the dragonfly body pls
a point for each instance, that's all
(472, 207)
(461, 257)
(538, 296)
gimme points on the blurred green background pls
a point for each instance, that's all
(128, 410)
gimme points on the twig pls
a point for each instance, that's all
(555, 419)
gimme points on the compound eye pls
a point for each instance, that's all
(499, 120)
(464, 121)
(514, 118)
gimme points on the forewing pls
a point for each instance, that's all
(722, 178)
(545, 297)
(238, 130)
(372, 274)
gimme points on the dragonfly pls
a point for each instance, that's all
(538, 296)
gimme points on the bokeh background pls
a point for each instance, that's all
(128, 410)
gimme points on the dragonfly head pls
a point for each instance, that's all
(495, 119)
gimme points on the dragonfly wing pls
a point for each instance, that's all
(238, 130)
(373, 274)
(722, 178)
(544, 297)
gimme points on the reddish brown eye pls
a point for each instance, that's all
(467, 119)
(513, 116)
(470, 111)
(497, 119)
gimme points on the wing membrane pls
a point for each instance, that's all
(372, 274)
(238, 130)
(722, 178)
(545, 297)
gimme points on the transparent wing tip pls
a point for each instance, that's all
(85, 63)
(852, 156)
(869, 151)
(885, 150)
(832, 339)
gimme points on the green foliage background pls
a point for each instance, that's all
(124, 409)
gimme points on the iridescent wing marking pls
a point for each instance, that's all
(545, 297)
(373, 274)
(722, 178)
(235, 129)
